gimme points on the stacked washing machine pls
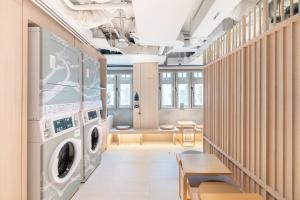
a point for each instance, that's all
(90, 115)
(54, 142)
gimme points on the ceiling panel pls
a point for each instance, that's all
(159, 22)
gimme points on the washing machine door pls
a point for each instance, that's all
(94, 139)
(65, 160)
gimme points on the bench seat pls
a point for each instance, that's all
(144, 131)
(210, 184)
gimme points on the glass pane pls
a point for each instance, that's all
(166, 95)
(110, 95)
(198, 92)
(183, 94)
(125, 95)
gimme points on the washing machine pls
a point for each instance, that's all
(92, 139)
(54, 149)
(54, 134)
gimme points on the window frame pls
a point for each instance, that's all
(114, 82)
(197, 80)
(191, 81)
(117, 81)
(173, 74)
(186, 80)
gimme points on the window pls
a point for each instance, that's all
(111, 91)
(119, 90)
(167, 89)
(197, 89)
(181, 89)
(124, 88)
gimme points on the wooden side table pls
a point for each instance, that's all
(188, 128)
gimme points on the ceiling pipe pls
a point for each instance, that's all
(102, 6)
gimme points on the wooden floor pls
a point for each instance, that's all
(134, 172)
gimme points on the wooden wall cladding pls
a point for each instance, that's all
(17, 15)
(252, 112)
(11, 122)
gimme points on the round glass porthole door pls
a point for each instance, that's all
(66, 158)
(94, 139)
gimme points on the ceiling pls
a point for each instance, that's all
(158, 22)
(165, 31)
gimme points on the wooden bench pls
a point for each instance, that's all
(220, 187)
(190, 158)
(141, 132)
(211, 184)
(212, 187)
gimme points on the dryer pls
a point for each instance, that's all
(54, 149)
(90, 83)
(91, 142)
(54, 75)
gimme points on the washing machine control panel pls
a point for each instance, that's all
(59, 125)
(90, 115)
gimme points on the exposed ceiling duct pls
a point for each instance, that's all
(173, 29)
(98, 6)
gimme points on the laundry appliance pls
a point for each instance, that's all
(54, 73)
(90, 82)
(91, 142)
(54, 136)
(92, 136)
(54, 151)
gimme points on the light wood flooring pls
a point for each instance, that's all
(133, 172)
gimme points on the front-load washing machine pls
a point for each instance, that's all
(91, 142)
(54, 156)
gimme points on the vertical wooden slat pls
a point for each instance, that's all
(252, 112)
(249, 25)
(247, 110)
(279, 110)
(257, 109)
(291, 7)
(238, 104)
(260, 18)
(243, 29)
(234, 106)
(274, 11)
(296, 109)
(265, 15)
(263, 113)
(271, 111)
(242, 74)
(288, 111)
(254, 21)
(282, 11)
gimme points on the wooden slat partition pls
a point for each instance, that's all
(252, 112)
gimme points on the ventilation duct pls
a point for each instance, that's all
(98, 6)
